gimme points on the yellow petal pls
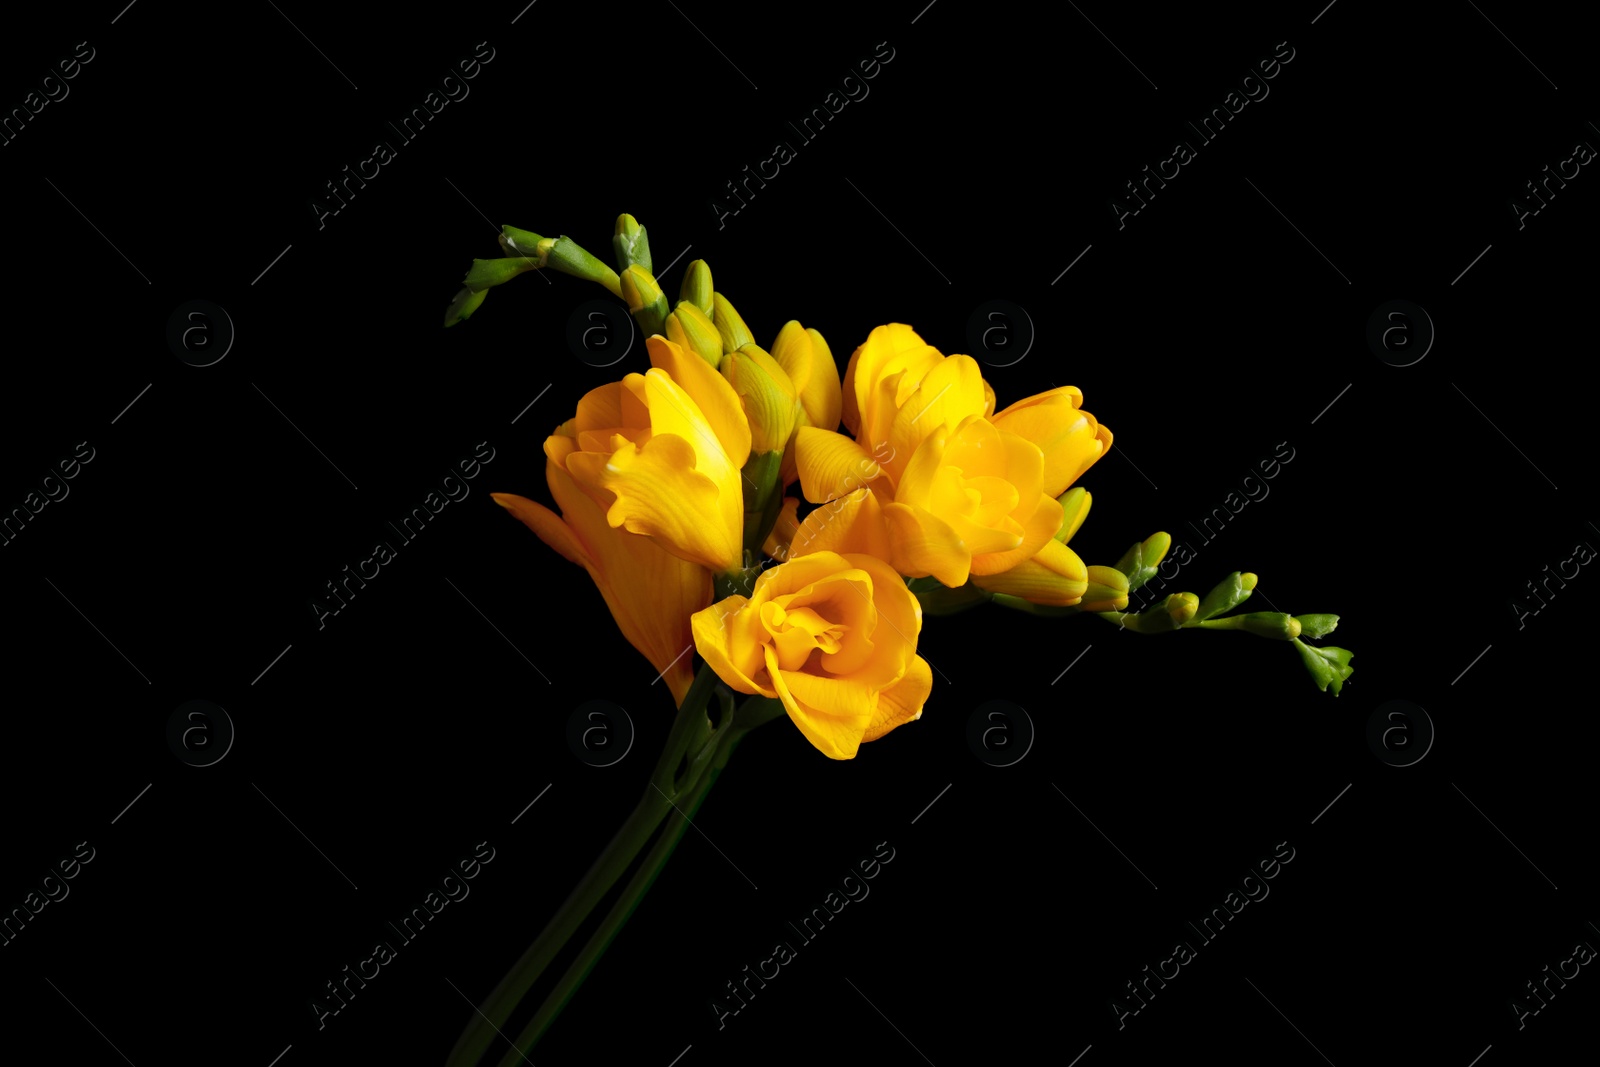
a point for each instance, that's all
(899, 622)
(1071, 439)
(725, 638)
(835, 736)
(779, 543)
(600, 408)
(949, 393)
(548, 525)
(1075, 508)
(926, 545)
(659, 493)
(852, 523)
(809, 362)
(902, 702)
(650, 593)
(890, 363)
(714, 398)
(831, 465)
(1039, 528)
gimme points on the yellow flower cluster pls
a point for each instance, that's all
(651, 480)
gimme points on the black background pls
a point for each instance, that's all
(424, 717)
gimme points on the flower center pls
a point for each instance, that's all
(797, 633)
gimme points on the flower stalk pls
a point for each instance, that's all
(702, 746)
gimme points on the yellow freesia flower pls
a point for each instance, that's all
(651, 593)
(662, 453)
(964, 492)
(834, 637)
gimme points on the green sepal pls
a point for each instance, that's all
(1317, 625)
(462, 307)
(1329, 666)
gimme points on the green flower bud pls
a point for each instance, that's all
(735, 334)
(1139, 563)
(645, 299)
(1108, 590)
(515, 242)
(1155, 550)
(768, 396)
(1074, 509)
(568, 257)
(630, 243)
(696, 287)
(689, 327)
(1228, 594)
(1273, 624)
(1181, 607)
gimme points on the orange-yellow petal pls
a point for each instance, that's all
(927, 545)
(1039, 528)
(659, 493)
(650, 593)
(831, 465)
(1071, 439)
(902, 702)
(715, 399)
(852, 523)
(725, 637)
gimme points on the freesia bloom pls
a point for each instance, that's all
(964, 492)
(651, 593)
(661, 452)
(832, 635)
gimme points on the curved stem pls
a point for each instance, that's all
(688, 730)
(712, 759)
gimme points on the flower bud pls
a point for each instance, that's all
(805, 356)
(768, 397)
(1054, 576)
(464, 304)
(1140, 561)
(696, 286)
(630, 243)
(1074, 509)
(645, 299)
(735, 334)
(1181, 607)
(688, 327)
(1228, 594)
(1155, 550)
(568, 257)
(515, 242)
(1273, 624)
(1107, 590)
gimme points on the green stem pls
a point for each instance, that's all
(718, 751)
(690, 728)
